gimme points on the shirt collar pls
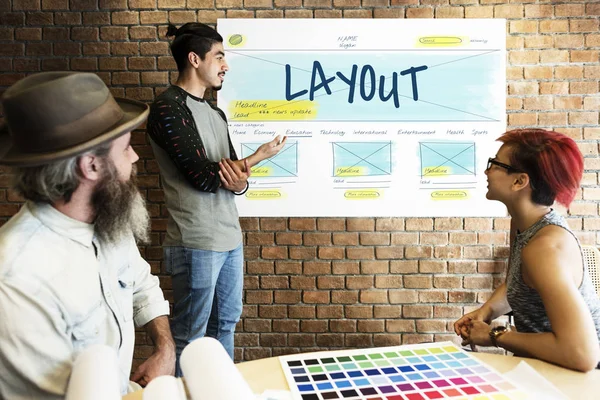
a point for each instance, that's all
(62, 224)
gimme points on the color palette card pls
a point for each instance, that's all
(410, 372)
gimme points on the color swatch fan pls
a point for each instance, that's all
(410, 372)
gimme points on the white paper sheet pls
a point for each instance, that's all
(165, 387)
(536, 386)
(210, 374)
(95, 375)
(275, 395)
(399, 124)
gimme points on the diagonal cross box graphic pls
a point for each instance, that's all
(277, 161)
(447, 158)
(362, 159)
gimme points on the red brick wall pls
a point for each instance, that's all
(317, 283)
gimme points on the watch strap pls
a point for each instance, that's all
(496, 332)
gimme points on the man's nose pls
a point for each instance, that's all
(134, 156)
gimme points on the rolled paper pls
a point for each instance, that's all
(163, 388)
(95, 375)
(209, 372)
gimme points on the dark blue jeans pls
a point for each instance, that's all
(207, 288)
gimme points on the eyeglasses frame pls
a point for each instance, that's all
(509, 168)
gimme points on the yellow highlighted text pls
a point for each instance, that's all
(436, 171)
(272, 110)
(350, 171)
(363, 194)
(450, 195)
(441, 41)
(261, 171)
(264, 194)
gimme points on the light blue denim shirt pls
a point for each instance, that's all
(61, 291)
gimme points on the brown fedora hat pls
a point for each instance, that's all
(50, 116)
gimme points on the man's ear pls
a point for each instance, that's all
(194, 59)
(90, 167)
(521, 181)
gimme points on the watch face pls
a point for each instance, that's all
(499, 329)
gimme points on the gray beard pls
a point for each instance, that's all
(139, 219)
(120, 209)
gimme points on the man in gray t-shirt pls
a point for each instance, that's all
(201, 174)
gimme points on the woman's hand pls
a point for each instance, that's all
(463, 326)
(480, 314)
(479, 334)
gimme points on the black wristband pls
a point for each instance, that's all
(243, 191)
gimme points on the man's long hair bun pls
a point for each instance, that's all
(171, 30)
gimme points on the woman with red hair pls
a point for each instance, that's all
(548, 289)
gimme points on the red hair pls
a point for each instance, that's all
(552, 161)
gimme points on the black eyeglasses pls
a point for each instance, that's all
(509, 168)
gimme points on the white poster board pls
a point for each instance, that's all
(383, 117)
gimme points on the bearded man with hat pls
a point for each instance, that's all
(71, 274)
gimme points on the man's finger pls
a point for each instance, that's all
(233, 167)
(225, 166)
(234, 173)
(226, 171)
(248, 170)
(137, 375)
(139, 378)
(277, 146)
(224, 180)
(283, 141)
